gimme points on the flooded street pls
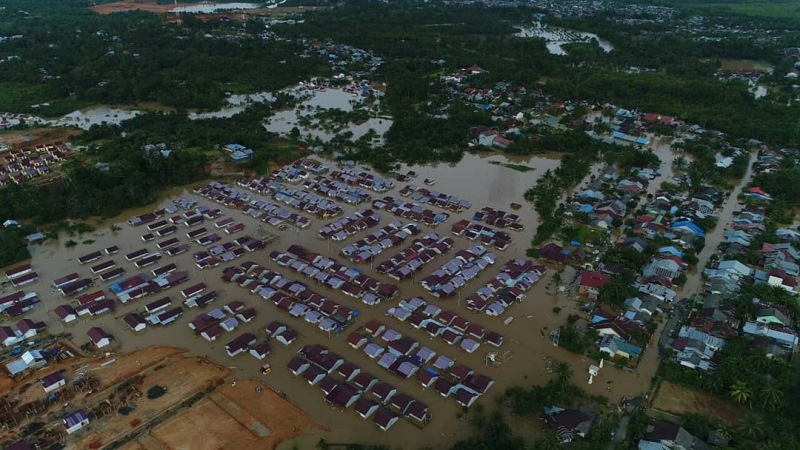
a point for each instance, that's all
(713, 239)
(474, 179)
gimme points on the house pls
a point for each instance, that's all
(781, 335)
(32, 359)
(553, 252)
(663, 268)
(569, 423)
(773, 315)
(591, 282)
(28, 328)
(343, 395)
(614, 346)
(671, 436)
(736, 267)
(261, 351)
(76, 421)
(53, 381)
(9, 336)
(366, 407)
(135, 321)
(385, 419)
(240, 344)
(688, 226)
(66, 313)
(99, 337)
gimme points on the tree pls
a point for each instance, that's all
(740, 392)
(548, 441)
(751, 427)
(771, 397)
(563, 374)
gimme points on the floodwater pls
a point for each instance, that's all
(209, 8)
(96, 115)
(473, 179)
(282, 122)
(237, 103)
(556, 37)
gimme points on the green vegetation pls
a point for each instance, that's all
(12, 245)
(786, 9)
(517, 167)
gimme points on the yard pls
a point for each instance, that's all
(680, 400)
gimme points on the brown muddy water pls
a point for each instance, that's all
(473, 179)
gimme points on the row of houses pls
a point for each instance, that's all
(446, 325)
(344, 227)
(338, 190)
(294, 197)
(509, 286)
(453, 275)
(345, 385)
(407, 359)
(292, 297)
(22, 164)
(260, 209)
(373, 244)
(329, 272)
(410, 211)
(415, 256)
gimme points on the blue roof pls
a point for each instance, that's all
(75, 418)
(235, 147)
(671, 250)
(690, 225)
(586, 208)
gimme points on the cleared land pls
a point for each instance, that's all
(182, 378)
(680, 400)
(235, 417)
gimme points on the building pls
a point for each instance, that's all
(99, 337)
(591, 282)
(76, 421)
(569, 423)
(53, 381)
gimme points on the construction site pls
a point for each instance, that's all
(131, 400)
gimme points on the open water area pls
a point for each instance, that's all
(527, 350)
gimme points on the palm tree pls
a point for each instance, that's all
(724, 430)
(751, 427)
(563, 373)
(740, 392)
(771, 396)
(549, 441)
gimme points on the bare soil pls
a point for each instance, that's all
(680, 400)
(31, 138)
(182, 377)
(128, 365)
(236, 417)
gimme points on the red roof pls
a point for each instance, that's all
(756, 190)
(594, 279)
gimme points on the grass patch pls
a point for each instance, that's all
(517, 167)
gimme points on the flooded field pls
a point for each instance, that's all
(556, 37)
(527, 352)
(236, 103)
(746, 65)
(320, 100)
(96, 115)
